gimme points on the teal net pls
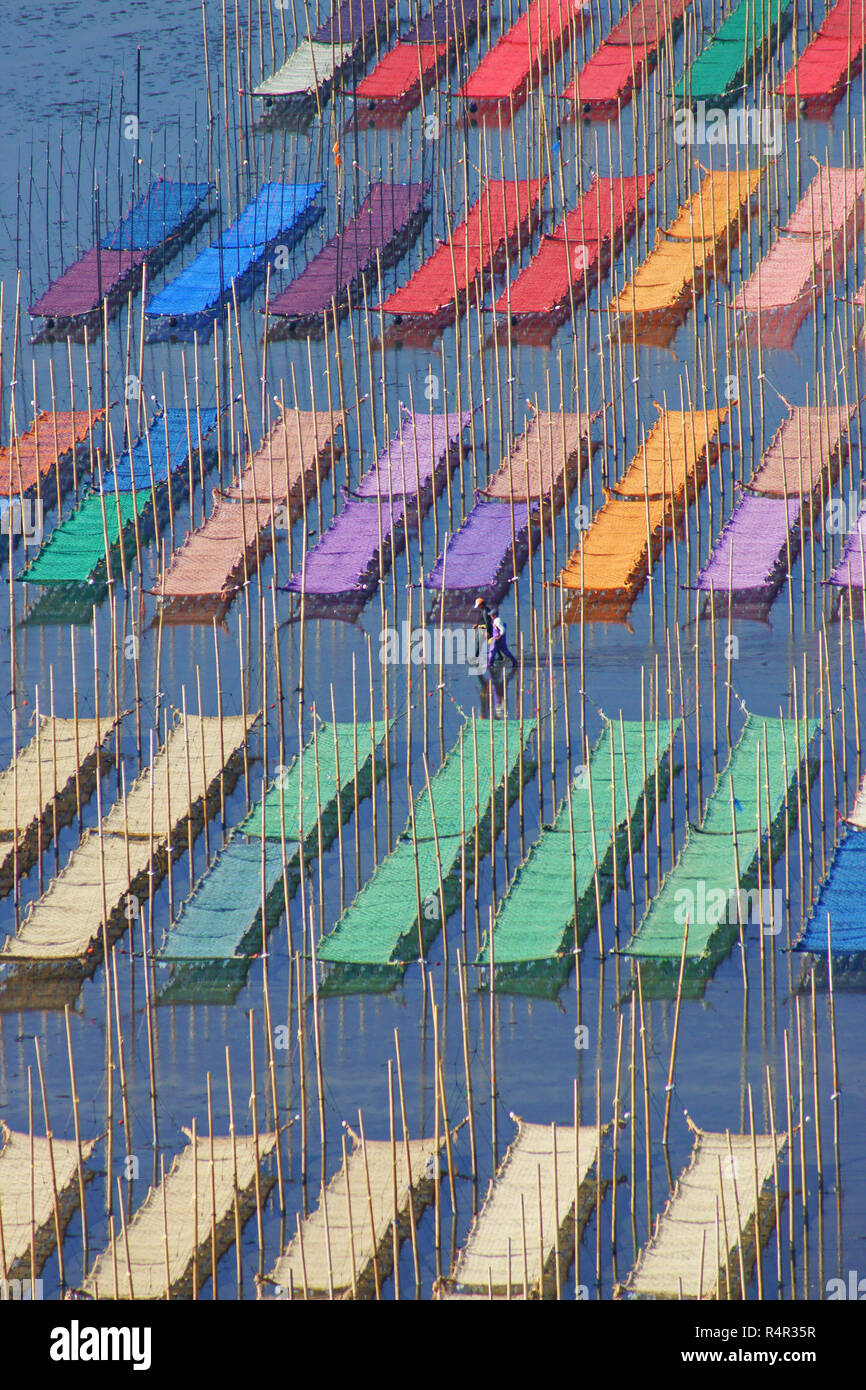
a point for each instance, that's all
(536, 917)
(399, 910)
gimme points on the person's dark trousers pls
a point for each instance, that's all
(499, 648)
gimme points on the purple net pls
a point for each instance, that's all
(350, 555)
(477, 554)
(382, 217)
(408, 464)
(850, 568)
(357, 548)
(445, 19)
(752, 547)
(76, 291)
(351, 21)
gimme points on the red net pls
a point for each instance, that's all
(609, 76)
(555, 272)
(525, 50)
(400, 71)
(831, 58)
(647, 22)
(567, 261)
(453, 267)
(605, 208)
(619, 64)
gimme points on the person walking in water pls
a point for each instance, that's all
(483, 624)
(497, 646)
(485, 618)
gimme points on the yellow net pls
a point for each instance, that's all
(686, 252)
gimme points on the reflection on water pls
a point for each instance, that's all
(669, 655)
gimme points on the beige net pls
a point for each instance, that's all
(45, 768)
(802, 451)
(539, 458)
(111, 865)
(168, 1244)
(27, 1194)
(708, 1223)
(858, 810)
(338, 1242)
(184, 769)
(299, 448)
(528, 1215)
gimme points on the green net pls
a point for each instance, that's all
(713, 74)
(343, 980)
(399, 909)
(718, 859)
(536, 917)
(322, 771)
(77, 547)
(730, 54)
(751, 22)
(205, 982)
(242, 892)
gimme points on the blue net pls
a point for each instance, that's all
(841, 898)
(279, 209)
(158, 215)
(226, 904)
(203, 283)
(275, 209)
(167, 441)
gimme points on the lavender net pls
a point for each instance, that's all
(349, 556)
(478, 552)
(752, 547)
(408, 464)
(850, 568)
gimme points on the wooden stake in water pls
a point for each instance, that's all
(646, 1101)
(77, 1122)
(670, 1081)
(464, 1025)
(412, 1222)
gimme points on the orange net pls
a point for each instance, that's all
(33, 454)
(615, 553)
(672, 455)
(686, 252)
(627, 533)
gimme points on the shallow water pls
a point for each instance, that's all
(727, 1039)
